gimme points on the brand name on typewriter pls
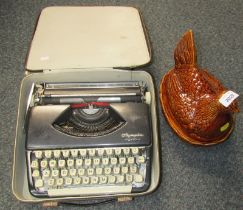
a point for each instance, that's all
(132, 137)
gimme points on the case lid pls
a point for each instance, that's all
(88, 37)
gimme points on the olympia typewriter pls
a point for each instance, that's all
(87, 123)
(88, 138)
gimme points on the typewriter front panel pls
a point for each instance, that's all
(50, 127)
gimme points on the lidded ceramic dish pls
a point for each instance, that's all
(190, 98)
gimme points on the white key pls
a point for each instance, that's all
(61, 163)
(90, 190)
(57, 153)
(74, 152)
(55, 173)
(73, 171)
(122, 160)
(83, 152)
(90, 171)
(98, 171)
(76, 180)
(130, 160)
(39, 183)
(96, 161)
(107, 170)
(118, 151)
(120, 179)
(100, 151)
(91, 152)
(51, 182)
(36, 173)
(43, 164)
(116, 170)
(126, 150)
(48, 153)
(113, 161)
(65, 153)
(79, 162)
(34, 164)
(109, 151)
(64, 172)
(134, 150)
(85, 180)
(103, 179)
(87, 162)
(38, 154)
(124, 169)
(111, 179)
(133, 169)
(138, 178)
(129, 178)
(70, 162)
(59, 181)
(141, 159)
(81, 172)
(105, 161)
(46, 173)
(94, 180)
(68, 181)
(52, 163)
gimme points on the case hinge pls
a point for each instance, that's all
(74, 70)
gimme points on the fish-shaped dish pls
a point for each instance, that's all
(190, 98)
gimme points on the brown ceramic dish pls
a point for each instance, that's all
(190, 99)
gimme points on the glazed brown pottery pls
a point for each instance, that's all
(190, 99)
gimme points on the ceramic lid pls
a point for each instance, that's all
(88, 37)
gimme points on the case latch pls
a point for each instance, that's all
(48, 204)
(124, 199)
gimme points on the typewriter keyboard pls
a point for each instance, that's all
(73, 172)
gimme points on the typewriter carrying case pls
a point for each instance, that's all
(84, 44)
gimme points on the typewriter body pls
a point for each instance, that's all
(88, 139)
(87, 128)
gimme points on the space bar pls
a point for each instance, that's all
(90, 190)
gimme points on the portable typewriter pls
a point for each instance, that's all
(88, 138)
(87, 122)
